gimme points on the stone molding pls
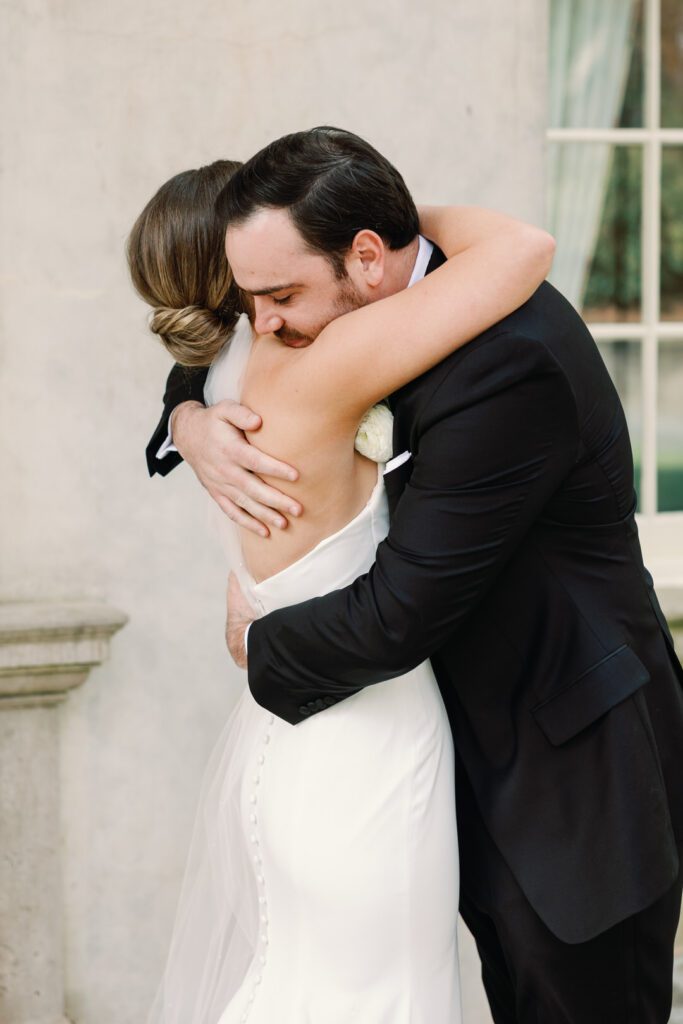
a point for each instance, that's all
(48, 648)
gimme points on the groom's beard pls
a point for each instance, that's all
(346, 299)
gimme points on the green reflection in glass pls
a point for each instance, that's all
(623, 361)
(672, 63)
(632, 115)
(670, 427)
(672, 233)
(613, 288)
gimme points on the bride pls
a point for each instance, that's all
(322, 879)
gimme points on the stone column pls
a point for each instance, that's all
(45, 651)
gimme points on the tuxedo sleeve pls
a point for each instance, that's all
(184, 383)
(492, 444)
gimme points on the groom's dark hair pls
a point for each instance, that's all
(333, 183)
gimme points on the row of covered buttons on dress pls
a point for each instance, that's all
(255, 842)
(316, 705)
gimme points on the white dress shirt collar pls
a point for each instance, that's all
(424, 254)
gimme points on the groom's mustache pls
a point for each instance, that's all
(292, 337)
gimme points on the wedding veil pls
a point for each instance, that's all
(215, 932)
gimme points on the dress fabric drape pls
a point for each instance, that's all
(215, 933)
(322, 882)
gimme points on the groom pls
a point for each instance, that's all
(513, 563)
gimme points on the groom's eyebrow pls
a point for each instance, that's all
(274, 288)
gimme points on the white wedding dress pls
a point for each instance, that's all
(322, 885)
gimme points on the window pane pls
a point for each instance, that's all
(670, 427)
(672, 233)
(594, 200)
(596, 63)
(632, 110)
(672, 64)
(623, 361)
(613, 285)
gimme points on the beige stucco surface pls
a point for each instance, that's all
(101, 103)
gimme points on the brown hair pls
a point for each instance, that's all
(176, 256)
(333, 183)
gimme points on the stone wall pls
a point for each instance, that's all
(102, 102)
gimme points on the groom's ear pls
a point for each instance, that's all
(365, 260)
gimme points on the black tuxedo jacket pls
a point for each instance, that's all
(184, 384)
(513, 562)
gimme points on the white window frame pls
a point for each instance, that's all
(661, 532)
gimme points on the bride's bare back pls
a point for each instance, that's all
(334, 482)
(311, 399)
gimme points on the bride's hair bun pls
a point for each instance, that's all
(193, 335)
(176, 255)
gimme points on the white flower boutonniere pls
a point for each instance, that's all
(374, 438)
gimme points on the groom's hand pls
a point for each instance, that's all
(212, 441)
(240, 615)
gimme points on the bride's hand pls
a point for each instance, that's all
(240, 615)
(230, 468)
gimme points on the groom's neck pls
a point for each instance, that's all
(399, 265)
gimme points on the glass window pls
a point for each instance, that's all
(672, 63)
(595, 213)
(615, 206)
(670, 426)
(672, 234)
(612, 290)
(596, 54)
(632, 113)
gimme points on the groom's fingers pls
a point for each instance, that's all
(248, 455)
(239, 415)
(249, 514)
(238, 516)
(230, 468)
(255, 490)
(253, 504)
(265, 465)
(266, 514)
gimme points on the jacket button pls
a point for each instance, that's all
(329, 701)
(303, 710)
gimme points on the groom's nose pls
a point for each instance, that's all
(266, 319)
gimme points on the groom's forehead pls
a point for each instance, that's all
(267, 252)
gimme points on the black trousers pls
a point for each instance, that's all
(623, 976)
